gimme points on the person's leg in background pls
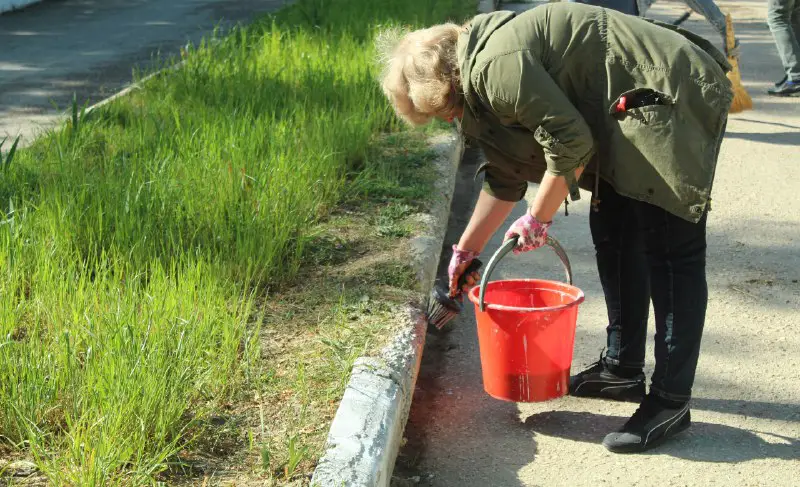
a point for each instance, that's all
(796, 28)
(714, 16)
(796, 20)
(629, 7)
(623, 270)
(783, 18)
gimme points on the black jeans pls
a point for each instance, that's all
(644, 252)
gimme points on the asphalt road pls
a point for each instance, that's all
(746, 405)
(53, 49)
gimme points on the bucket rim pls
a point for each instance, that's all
(579, 297)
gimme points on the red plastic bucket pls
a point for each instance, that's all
(526, 333)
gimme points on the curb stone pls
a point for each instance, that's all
(65, 115)
(135, 86)
(367, 430)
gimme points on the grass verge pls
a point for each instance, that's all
(343, 305)
(202, 246)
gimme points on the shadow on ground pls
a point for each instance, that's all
(703, 442)
(779, 138)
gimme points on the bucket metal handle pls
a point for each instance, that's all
(507, 247)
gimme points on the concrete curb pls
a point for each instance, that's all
(135, 86)
(127, 90)
(367, 430)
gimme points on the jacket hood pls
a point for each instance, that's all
(471, 42)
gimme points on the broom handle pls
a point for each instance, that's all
(730, 39)
(507, 247)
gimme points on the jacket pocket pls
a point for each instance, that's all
(651, 116)
(660, 153)
(643, 106)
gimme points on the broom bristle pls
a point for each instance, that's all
(741, 99)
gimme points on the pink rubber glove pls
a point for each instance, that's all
(532, 233)
(458, 264)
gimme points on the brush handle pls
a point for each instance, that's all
(682, 18)
(472, 267)
(507, 247)
(730, 38)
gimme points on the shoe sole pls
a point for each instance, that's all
(638, 448)
(623, 394)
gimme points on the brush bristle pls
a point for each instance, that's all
(441, 308)
(741, 99)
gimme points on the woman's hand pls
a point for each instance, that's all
(488, 215)
(531, 232)
(458, 264)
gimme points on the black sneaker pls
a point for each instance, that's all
(597, 381)
(783, 80)
(649, 426)
(788, 88)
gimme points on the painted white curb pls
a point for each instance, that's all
(367, 430)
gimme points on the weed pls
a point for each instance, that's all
(390, 220)
(77, 116)
(297, 453)
(5, 161)
(266, 458)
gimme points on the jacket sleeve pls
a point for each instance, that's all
(520, 91)
(499, 179)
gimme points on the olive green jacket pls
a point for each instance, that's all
(542, 89)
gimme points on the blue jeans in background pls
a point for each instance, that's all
(625, 6)
(783, 17)
(712, 13)
(706, 8)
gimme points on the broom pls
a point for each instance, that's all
(741, 100)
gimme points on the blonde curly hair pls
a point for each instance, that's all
(419, 71)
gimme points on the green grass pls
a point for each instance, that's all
(138, 243)
(342, 307)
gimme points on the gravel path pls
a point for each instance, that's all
(746, 406)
